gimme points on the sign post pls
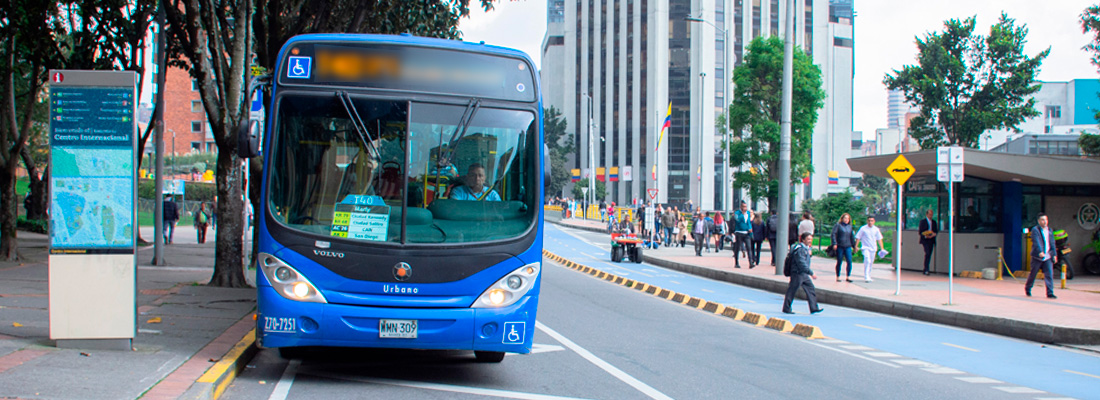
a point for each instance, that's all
(93, 219)
(949, 169)
(900, 170)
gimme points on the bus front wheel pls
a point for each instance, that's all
(489, 356)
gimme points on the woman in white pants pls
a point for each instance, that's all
(865, 241)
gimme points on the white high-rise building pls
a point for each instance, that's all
(634, 59)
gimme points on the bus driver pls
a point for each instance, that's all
(474, 188)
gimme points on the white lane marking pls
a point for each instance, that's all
(282, 389)
(977, 379)
(707, 290)
(961, 347)
(604, 365)
(149, 331)
(1017, 389)
(831, 341)
(914, 363)
(858, 347)
(869, 327)
(1081, 373)
(678, 283)
(943, 370)
(446, 388)
(746, 300)
(853, 354)
(881, 354)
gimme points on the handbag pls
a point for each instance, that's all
(830, 251)
(676, 230)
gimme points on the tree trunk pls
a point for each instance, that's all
(35, 208)
(229, 234)
(8, 211)
(255, 176)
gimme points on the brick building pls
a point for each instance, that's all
(186, 129)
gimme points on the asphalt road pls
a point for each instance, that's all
(602, 341)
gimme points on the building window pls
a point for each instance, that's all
(194, 85)
(1054, 112)
(196, 106)
(843, 42)
(196, 147)
(196, 126)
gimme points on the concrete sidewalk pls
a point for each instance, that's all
(184, 329)
(998, 307)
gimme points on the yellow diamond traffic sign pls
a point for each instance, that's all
(900, 169)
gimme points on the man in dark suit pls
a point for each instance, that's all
(801, 275)
(928, 230)
(700, 228)
(1042, 256)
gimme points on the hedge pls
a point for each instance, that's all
(197, 191)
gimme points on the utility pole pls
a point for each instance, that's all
(591, 159)
(158, 208)
(785, 142)
(702, 80)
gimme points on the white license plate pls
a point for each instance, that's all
(397, 328)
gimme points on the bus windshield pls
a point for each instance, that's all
(405, 172)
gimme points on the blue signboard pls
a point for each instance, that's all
(92, 169)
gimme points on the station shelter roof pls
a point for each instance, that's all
(994, 166)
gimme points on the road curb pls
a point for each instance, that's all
(685, 299)
(1027, 330)
(217, 378)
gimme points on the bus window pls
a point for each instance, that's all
(321, 158)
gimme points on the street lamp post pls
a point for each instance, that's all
(727, 97)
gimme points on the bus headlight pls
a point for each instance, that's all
(287, 281)
(510, 288)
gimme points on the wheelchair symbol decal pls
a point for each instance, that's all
(299, 67)
(513, 332)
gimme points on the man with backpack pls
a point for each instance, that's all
(797, 266)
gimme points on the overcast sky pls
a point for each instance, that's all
(884, 38)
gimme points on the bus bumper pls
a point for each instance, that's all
(287, 323)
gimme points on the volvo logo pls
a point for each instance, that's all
(402, 271)
(329, 254)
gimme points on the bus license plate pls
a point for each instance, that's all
(397, 328)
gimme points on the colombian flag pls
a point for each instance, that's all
(576, 175)
(614, 174)
(600, 174)
(666, 125)
(834, 178)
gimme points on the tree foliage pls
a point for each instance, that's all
(279, 20)
(755, 116)
(578, 189)
(561, 145)
(1089, 144)
(877, 191)
(827, 210)
(965, 83)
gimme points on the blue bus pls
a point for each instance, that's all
(402, 185)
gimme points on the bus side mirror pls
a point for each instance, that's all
(545, 167)
(248, 139)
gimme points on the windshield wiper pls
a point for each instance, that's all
(361, 131)
(464, 122)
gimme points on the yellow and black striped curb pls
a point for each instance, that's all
(807, 331)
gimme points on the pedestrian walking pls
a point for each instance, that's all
(1042, 257)
(928, 230)
(757, 238)
(806, 225)
(202, 220)
(699, 231)
(843, 239)
(865, 240)
(719, 231)
(682, 225)
(668, 222)
(771, 229)
(801, 275)
(170, 214)
(742, 228)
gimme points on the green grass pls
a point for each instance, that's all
(145, 219)
(22, 187)
(821, 242)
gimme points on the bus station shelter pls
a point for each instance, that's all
(996, 203)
